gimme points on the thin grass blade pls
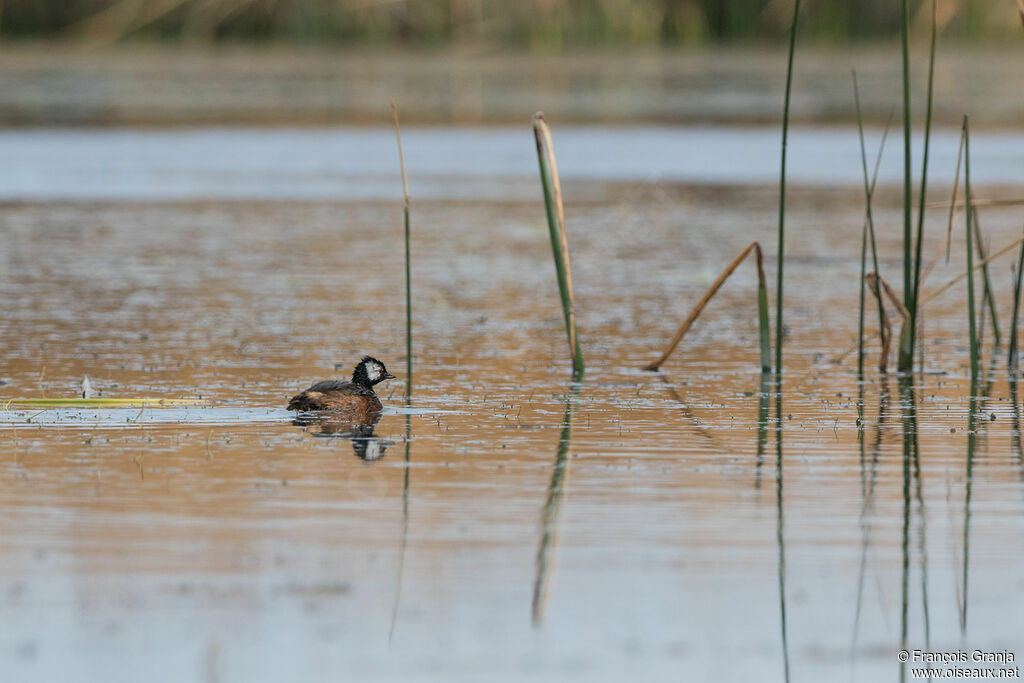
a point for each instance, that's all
(922, 192)
(408, 266)
(1011, 358)
(906, 356)
(972, 332)
(782, 211)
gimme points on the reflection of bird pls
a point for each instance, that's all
(352, 402)
(364, 444)
(370, 447)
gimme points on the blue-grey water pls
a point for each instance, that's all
(496, 163)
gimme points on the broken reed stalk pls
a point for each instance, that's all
(408, 269)
(961, 276)
(877, 284)
(556, 226)
(921, 199)
(782, 211)
(995, 204)
(973, 337)
(884, 326)
(762, 309)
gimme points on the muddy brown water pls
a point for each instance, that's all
(514, 526)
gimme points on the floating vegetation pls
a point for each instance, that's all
(99, 402)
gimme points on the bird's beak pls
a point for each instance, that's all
(388, 375)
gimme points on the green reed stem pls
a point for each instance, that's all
(556, 227)
(973, 336)
(408, 266)
(990, 376)
(408, 305)
(1015, 438)
(863, 242)
(778, 344)
(782, 211)
(912, 307)
(763, 414)
(763, 325)
(860, 305)
(1011, 359)
(988, 298)
(906, 355)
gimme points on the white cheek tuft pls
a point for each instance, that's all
(372, 371)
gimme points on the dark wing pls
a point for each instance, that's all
(335, 385)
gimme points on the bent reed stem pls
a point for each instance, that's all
(762, 309)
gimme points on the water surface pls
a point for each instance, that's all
(513, 526)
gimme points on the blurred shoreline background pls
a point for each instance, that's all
(160, 85)
(74, 63)
(539, 25)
